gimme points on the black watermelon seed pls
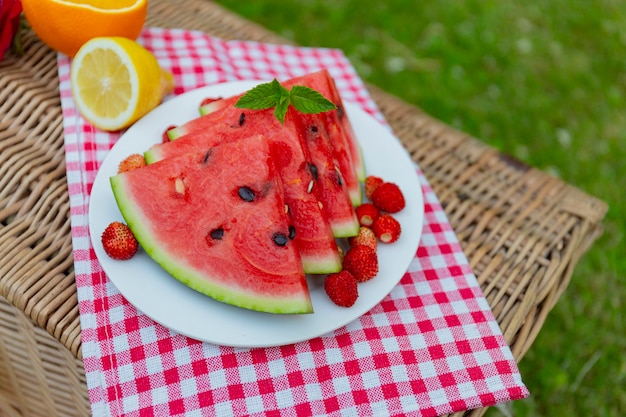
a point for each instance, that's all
(340, 112)
(314, 171)
(246, 194)
(207, 155)
(314, 129)
(242, 118)
(217, 234)
(280, 239)
(292, 232)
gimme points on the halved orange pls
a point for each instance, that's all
(65, 25)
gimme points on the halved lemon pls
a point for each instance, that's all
(115, 81)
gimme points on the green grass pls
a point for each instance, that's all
(544, 81)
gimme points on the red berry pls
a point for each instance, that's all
(131, 162)
(342, 288)
(362, 262)
(366, 213)
(388, 197)
(371, 184)
(386, 228)
(119, 242)
(365, 237)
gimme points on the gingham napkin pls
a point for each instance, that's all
(431, 347)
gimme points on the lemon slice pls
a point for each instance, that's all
(115, 81)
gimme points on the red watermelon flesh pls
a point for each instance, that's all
(346, 148)
(331, 187)
(216, 221)
(330, 184)
(313, 229)
(323, 82)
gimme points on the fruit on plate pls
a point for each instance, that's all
(362, 262)
(342, 288)
(115, 81)
(388, 197)
(386, 228)
(119, 242)
(346, 149)
(216, 221)
(314, 232)
(65, 25)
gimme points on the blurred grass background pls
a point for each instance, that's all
(544, 81)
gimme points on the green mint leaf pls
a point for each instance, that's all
(263, 96)
(309, 101)
(281, 108)
(275, 95)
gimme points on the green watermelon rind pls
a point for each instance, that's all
(321, 265)
(346, 229)
(188, 276)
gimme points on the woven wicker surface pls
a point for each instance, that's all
(522, 230)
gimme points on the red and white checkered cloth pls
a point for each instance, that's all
(431, 347)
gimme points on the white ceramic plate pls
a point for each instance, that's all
(161, 297)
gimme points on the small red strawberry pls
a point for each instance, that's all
(365, 237)
(131, 162)
(342, 288)
(362, 262)
(371, 184)
(119, 242)
(388, 197)
(366, 213)
(386, 228)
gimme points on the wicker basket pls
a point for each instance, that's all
(522, 230)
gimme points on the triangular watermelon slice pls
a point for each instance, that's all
(346, 149)
(216, 221)
(314, 231)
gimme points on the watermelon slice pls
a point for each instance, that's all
(346, 149)
(330, 183)
(216, 221)
(228, 123)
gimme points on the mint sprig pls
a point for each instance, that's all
(274, 95)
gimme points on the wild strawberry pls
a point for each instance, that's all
(119, 242)
(371, 184)
(131, 162)
(362, 262)
(365, 237)
(342, 288)
(165, 137)
(366, 213)
(386, 228)
(388, 197)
